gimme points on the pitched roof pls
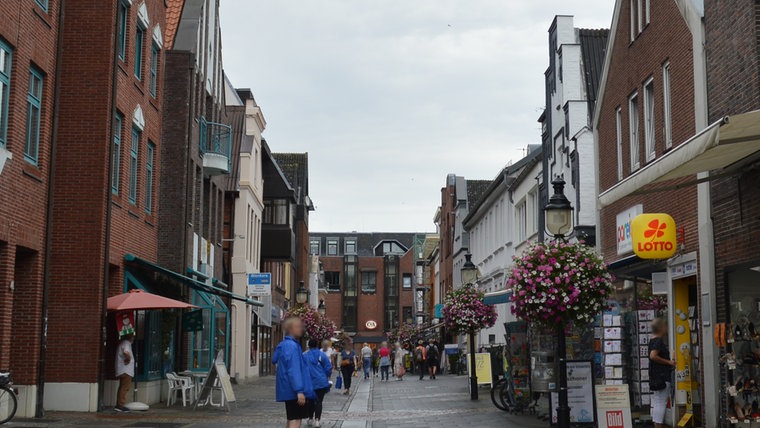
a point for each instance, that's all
(593, 49)
(295, 166)
(367, 241)
(173, 16)
(476, 189)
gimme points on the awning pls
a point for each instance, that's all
(369, 339)
(717, 147)
(498, 297)
(190, 282)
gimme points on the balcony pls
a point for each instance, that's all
(216, 147)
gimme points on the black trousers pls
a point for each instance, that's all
(421, 368)
(348, 373)
(315, 406)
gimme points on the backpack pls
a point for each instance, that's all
(432, 352)
(419, 355)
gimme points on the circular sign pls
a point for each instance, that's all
(371, 324)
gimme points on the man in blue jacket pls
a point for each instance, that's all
(320, 368)
(293, 380)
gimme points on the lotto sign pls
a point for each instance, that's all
(654, 236)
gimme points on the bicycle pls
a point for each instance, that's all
(8, 398)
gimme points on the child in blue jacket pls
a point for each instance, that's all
(320, 369)
(293, 380)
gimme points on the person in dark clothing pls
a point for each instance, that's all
(347, 360)
(660, 369)
(320, 369)
(433, 355)
(420, 357)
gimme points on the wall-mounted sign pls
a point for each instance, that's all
(654, 236)
(371, 325)
(260, 284)
(623, 228)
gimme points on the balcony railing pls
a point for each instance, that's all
(216, 147)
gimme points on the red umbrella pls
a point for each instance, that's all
(139, 300)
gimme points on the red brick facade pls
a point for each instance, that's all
(29, 34)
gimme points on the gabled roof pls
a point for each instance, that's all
(593, 48)
(295, 166)
(475, 190)
(173, 16)
(366, 242)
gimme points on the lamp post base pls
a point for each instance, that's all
(473, 369)
(563, 407)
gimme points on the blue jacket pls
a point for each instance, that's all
(320, 368)
(292, 372)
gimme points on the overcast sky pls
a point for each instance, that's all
(388, 97)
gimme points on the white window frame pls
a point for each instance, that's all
(633, 131)
(666, 107)
(647, 14)
(639, 16)
(633, 20)
(649, 120)
(619, 129)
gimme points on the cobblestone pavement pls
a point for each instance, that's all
(372, 404)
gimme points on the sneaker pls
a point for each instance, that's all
(121, 409)
(317, 424)
(310, 423)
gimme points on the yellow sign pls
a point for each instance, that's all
(654, 236)
(482, 368)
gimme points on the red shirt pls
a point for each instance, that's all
(384, 352)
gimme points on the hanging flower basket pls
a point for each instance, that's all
(559, 282)
(315, 325)
(404, 334)
(464, 311)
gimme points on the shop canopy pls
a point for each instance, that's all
(498, 297)
(190, 282)
(142, 300)
(720, 146)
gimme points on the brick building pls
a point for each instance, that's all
(28, 73)
(651, 101)
(367, 281)
(732, 33)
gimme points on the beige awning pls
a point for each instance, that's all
(720, 145)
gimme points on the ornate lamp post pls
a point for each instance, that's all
(302, 294)
(469, 276)
(559, 223)
(321, 308)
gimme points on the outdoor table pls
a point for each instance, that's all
(198, 378)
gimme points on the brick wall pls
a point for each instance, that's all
(448, 210)
(666, 38)
(732, 33)
(31, 34)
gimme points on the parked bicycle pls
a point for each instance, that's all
(8, 398)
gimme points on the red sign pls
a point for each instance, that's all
(615, 419)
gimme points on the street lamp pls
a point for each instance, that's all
(559, 223)
(302, 294)
(321, 308)
(469, 276)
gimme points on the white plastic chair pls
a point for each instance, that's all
(182, 385)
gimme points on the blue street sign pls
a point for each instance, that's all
(264, 278)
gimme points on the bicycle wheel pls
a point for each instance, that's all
(496, 394)
(8, 403)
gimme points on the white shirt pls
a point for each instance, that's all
(121, 366)
(366, 352)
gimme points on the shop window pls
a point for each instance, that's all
(206, 343)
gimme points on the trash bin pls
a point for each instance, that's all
(543, 372)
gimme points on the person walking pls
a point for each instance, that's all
(347, 361)
(125, 371)
(292, 380)
(375, 362)
(320, 369)
(330, 352)
(385, 361)
(660, 369)
(420, 357)
(399, 367)
(366, 353)
(433, 358)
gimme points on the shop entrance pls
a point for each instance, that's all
(685, 333)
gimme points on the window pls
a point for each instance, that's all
(619, 135)
(332, 280)
(349, 315)
(154, 55)
(33, 113)
(116, 154)
(133, 165)
(332, 247)
(646, 11)
(43, 4)
(668, 120)
(633, 130)
(407, 281)
(149, 178)
(369, 282)
(390, 247)
(350, 278)
(314, 247)
(649, 142)
(276, 211)
(5, 82)
(640, 15)
(406, 312)
(139, 39)
(121, 29)
(350, 246)
(633, 20)
(521, 218)
(391, 277)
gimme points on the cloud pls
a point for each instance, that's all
(390, 96)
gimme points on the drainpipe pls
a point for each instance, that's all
(39, 410)
(107, 249)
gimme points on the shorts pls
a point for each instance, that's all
(295, 412)
(432, 362)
